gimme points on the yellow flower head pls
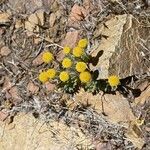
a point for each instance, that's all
(66, 63)
(83, 43)
(78, 51)
(85, 77)
(113, 81)
(43, 77)
(81, 66)
(64, 76)
(66, 50)
(51, 73)
(47, 57)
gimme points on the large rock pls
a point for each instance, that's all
(28, 6)
(125, 45)
(113, 106)
(28, 133)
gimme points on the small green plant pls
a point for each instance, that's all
(73, 72)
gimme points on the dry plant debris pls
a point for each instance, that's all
(118, 34)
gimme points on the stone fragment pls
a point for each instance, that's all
(31, 87)
(49, 86)
(15, 95)
(145, 96)
(30, 27)
(18, 24)
(5, 51)
(7, 84)
(3, 115)
(4, 18)
(52, 19)
(38, 60)
(71, 38)
(103, 146)
(37, 40)
(76, 13)
(26, 6)
(33, 19)
(41, 17)
(138, 142)
(2, 31)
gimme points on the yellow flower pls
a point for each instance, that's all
(47, 57)
(51, 73)
(85, 77)
(78, 51)
(113, 81)
(64, 76)
(83, 43)
(43, 77)
(66, 50)
(67, 63)
(81, 66)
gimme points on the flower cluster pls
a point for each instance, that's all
(73, 72)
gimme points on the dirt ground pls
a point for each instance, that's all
(118, 121)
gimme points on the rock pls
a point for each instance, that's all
(117, 110)
(88, 4)
(104, 146)
(37, 40)
(38, 60)
(49, 86)
(59, 14)
(55, 6)
(3, 115)
(76, 13)
(71, 38)
(7, 84)
(26, 132)
(41, 17)
(52, 19)
(4, 18)
(33, 19)
(2, 79)
(113, 32)
(18, 24)
(142, 86)
(16, 99)
(28, 26)
(145, 96)
(114, 106)
(2, 31)
(37, 18)
(48, 4)
(31, 87)
(127, 59)
(2, 43)
(28, 6)
(5, 51)
(119, 52)
(137, 141)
